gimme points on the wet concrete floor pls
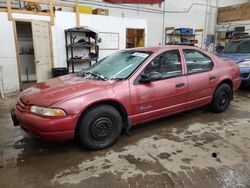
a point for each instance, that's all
(192, 149)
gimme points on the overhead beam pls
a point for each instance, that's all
(198, 30)
(51, 12)
(37, 1)
(9, 9)
(51, 5)
(60, 4)
(77, 14)
(30, 12)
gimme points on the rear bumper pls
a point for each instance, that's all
(236, 83)
(57, 129)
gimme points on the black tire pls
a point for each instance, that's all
(222, 98)
(99, 128)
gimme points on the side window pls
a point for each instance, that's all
(168, 64)
(197, 62)
(244, 47)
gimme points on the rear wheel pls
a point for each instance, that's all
(100, 127)
(222, 98)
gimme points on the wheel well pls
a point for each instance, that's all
(118, 106)
(230, 83)
(227, 81)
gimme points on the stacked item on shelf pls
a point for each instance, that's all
(181, 36)
(224, 37)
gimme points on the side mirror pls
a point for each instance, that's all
(153, 76)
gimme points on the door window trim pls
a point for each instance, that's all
(136, 81)
(202, 71)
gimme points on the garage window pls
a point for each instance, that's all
(168, 64)
(197, 61)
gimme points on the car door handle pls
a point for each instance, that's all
(212, 78)
(179, 85)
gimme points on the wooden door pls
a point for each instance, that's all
(41, 43)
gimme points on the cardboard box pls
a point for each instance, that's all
(84, 9)
(100, 11)
(245, 13)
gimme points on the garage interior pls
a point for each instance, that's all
(45, 39)
(26, 53)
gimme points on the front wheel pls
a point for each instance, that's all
(222, 98)
(100, 127)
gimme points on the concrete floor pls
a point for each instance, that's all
(172, 152)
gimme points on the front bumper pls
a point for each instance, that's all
(245, 74)
(45, 128)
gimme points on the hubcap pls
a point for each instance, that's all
(102, 129)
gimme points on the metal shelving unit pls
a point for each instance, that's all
(87, 43)
(175, 36)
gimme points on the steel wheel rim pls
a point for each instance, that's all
(102, 129)
(223, 99)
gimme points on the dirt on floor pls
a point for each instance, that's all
(192, 149)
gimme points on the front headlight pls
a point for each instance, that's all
(244, 64)
(47, 111)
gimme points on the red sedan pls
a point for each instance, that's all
(122, 90)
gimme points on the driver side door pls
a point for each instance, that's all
(161, 97)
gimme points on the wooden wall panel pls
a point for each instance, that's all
(234, 13)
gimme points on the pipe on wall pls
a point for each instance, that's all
(163, 23)
(136, 8)
(163, 11)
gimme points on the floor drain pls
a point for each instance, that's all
(214, 155)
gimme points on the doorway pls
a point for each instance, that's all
(135, 38)
(34, 52)
(26, 54)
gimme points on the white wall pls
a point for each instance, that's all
(180, 16)
(194, 18)
(181, 13)
(65, 20)
(231, 25)
(223, 3)
(8, 55)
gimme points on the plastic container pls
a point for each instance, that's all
(59, 71)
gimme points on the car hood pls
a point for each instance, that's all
(60, 88)
(237, 57)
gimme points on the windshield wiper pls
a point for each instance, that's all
(118, 79)
(97, 76)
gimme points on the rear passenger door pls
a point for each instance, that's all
(200, 77)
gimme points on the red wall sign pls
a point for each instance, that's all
(134, 1)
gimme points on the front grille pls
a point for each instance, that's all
(244, 75)
(21, 106)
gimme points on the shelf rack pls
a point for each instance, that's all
(89, 44)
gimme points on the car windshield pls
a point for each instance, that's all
(237, 47)
(118, 66)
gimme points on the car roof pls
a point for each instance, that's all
(158, 48)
